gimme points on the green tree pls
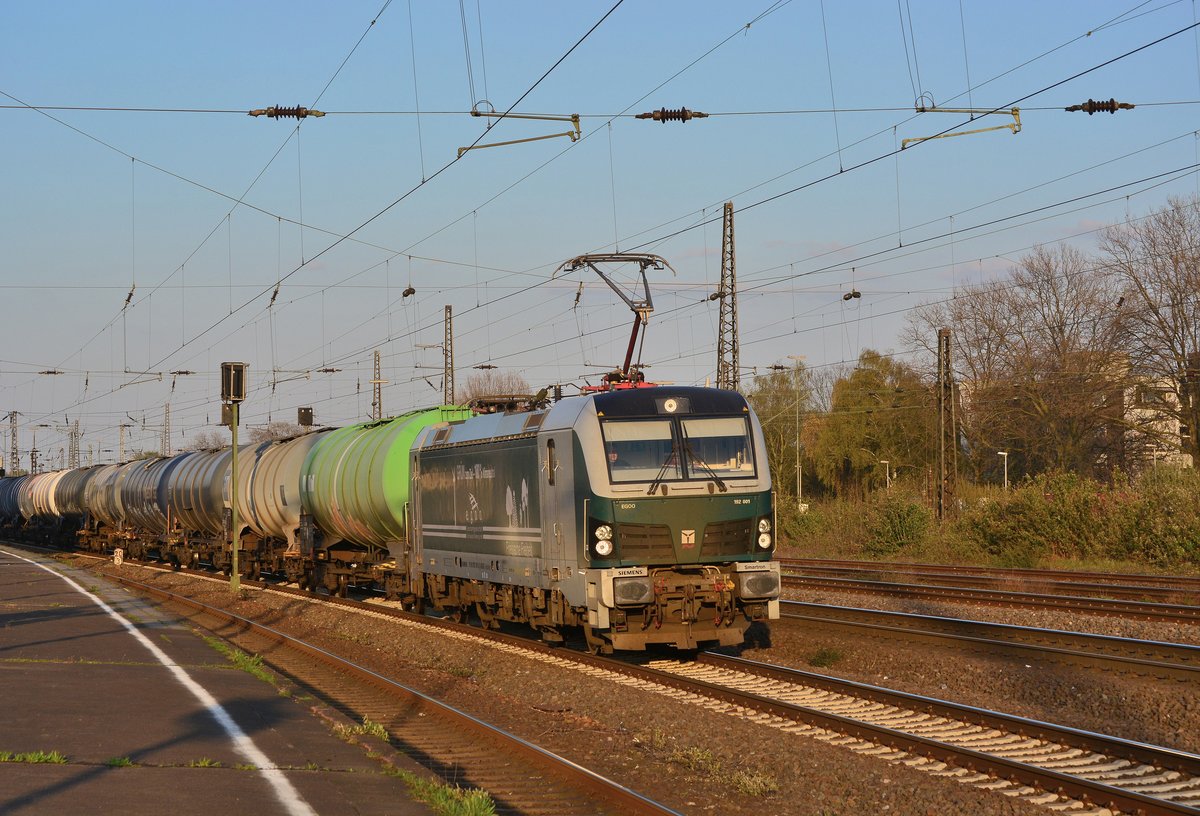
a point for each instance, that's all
(782, 398)
(882, 411)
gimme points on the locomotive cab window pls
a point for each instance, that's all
(678, 449)
(641, 450)
(720, 446)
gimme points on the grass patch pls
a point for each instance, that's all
(461, 671)
(245, 767)
(251, 664)
(368, 728)
(446, 799)
(653, 740)
(204, 762)
(697, 760)
(825, 657)
(34, 757)
(753, 783)
(703, 763)
(119, 762)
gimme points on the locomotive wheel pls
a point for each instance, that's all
(343, 581)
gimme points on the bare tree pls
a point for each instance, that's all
(492, 382)
(209, 440)
(1157, 260)
(275, 430)
(1041, 363)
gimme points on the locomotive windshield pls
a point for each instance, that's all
(675, 450)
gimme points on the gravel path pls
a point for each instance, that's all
(690, 759)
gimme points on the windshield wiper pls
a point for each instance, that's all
(662, 471)
(692, 457)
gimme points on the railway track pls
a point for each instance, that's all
(1062, 768)
(1173, 661)
(521, 777)
(1077, 580)
(1136, 610)
(1035, 761)
(1169, 589)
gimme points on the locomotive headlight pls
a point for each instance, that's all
(764, 540)
(764, 525)
(604, 533)
(604, 546)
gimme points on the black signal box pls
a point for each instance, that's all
(233, 382)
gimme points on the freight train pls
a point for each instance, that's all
(640, 515)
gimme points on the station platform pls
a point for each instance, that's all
(150, 719)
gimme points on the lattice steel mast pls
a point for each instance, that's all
(377, 383)
(165, 442)
(728, 353)
(73, 448)
(14, 454)
(448, 360)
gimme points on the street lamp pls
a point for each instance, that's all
(1004, 455)
(233, 392)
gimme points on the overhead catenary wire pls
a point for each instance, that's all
(1042, 208)
(407, 194)
(238, 201)
(417, 112)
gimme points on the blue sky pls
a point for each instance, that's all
(202, 211)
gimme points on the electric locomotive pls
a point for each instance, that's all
(641, 514)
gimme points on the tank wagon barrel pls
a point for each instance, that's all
(71, 492)
(42, 492)
(143, 498)
(269, 489)
(10, 509)
(355, 485)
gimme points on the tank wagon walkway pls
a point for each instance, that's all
(105, 680)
